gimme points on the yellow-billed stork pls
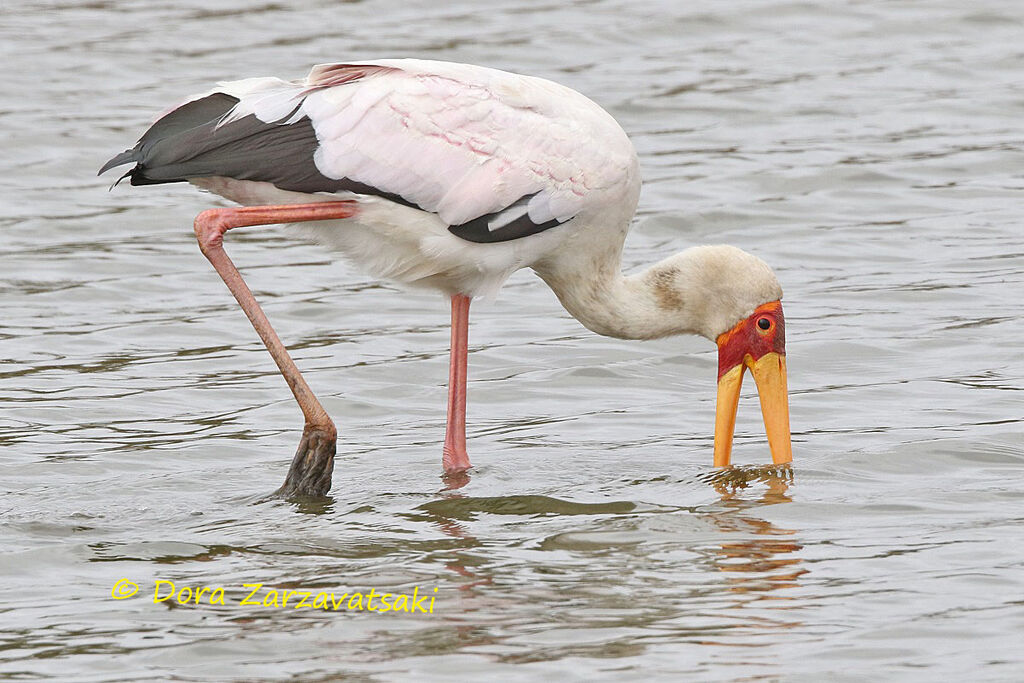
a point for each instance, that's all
(453, 176)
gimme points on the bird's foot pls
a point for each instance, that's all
(456, 465)
(455, 479)
(454, 459)
(313, 464)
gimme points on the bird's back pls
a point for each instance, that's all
(495, 157)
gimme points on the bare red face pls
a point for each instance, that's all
(758, 343)
(762, 332)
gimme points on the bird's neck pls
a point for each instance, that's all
(643, 305)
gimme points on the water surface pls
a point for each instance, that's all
(870, 151)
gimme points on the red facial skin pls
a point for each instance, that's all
(749, 339)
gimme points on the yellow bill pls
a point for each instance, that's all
(758, 343)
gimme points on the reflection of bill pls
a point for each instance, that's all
(763, 559)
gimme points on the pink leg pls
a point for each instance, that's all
(455, 457)
(313, 464)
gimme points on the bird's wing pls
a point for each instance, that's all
(464, 141)
(496, 155)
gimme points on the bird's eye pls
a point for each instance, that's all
(764, 323)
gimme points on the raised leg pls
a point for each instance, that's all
(455, 457)
(313, 464)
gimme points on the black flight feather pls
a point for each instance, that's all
(189, 143)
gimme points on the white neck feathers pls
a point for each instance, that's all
(703, 290)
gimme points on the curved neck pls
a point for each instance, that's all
(644, 305)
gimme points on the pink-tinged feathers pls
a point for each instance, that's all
(457, 140)
(465, 141)
(330, 75)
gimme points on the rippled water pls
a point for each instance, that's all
(871, 151)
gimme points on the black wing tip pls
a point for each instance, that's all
(126, 157)
(479, 230)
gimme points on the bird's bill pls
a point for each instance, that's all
(769, 373)
(758, 342)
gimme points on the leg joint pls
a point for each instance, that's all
(324, 425)
(210, 226)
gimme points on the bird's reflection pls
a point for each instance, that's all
(764, 560)
(453, 481)
(459, 562)
(754, 558)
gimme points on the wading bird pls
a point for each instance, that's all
(453, 176)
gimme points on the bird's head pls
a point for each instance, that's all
(758, 342)
(734, 299)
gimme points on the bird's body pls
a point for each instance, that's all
(453, 176)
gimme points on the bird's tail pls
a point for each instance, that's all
(172, 141)
(201, 139)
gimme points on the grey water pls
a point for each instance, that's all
(871, 151)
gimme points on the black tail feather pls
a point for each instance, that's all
(192, 142)
(126, 157)
(172, 139)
